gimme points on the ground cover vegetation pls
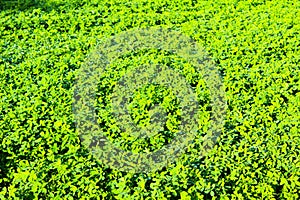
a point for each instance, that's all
(254, 44)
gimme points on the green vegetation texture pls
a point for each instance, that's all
(254, 44)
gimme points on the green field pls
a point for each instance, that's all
(255, 46)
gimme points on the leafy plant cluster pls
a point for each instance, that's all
(255, 46)
(145, 98)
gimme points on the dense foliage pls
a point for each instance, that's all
(255, 44)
